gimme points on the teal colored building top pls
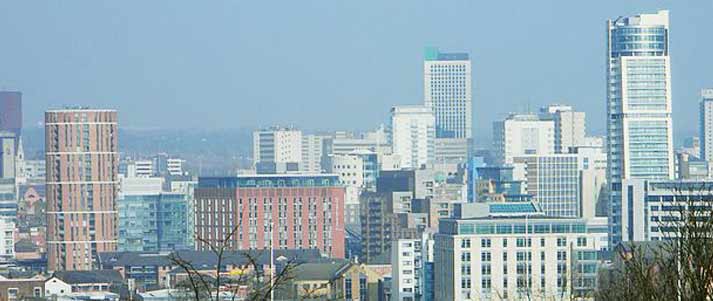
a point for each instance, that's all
(510, 226)
(433, 54)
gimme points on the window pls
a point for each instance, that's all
(581, 241)
(542, 242)
(561, 255)
(37, 292)
(465, 256)
(524, 242)
(485, 269)
(486, 283)
(465, 269)
(465, 282)
(542, 256)
(465, 243)
(561, 241)
(505, 242)
(485, 256)
(485, 243)
(505, 256)
(12, 293)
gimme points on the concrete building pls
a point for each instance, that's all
(357, 171)
(412, 274)
(386, 216)
(450, 150)
(141, 168)
(277, 150)
(706, 125)
(553, 181)
(413, 133)
(81, 151)
(639, 129)
(506, 252)
(300, 211)
(7, 240)
(312, 154)
(651, 207)
(569, 126)
(448, 92)
(523, 134)
(174, 166)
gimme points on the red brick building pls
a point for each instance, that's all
(304, 211)
(82, 159)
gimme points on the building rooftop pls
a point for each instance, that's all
(82, 277)
(271, 180)
(202, 259)
(319, 271)
(433, 54)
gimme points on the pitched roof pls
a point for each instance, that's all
(81, 277)
(320, 271)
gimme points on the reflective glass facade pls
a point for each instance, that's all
(638, 106)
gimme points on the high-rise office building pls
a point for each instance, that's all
(569, 126)
(277, 150)
(413, 131)
(638, 107)
(523, 134)
(8, 157)
(706, 125)
(11, 112)
(82, 157)
(553, 180)
(448, 92)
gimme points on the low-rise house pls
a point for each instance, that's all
(334, 280)
(72, 283)
(21, 287)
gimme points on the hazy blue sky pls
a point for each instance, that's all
(325, 64)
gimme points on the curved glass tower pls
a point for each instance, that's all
(639, 126)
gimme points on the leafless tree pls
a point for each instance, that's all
(680, 265)
(250, 279)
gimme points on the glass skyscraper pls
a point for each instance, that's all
(639, 126)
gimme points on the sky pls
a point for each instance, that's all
(326, 65)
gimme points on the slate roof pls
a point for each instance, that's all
(320, 271)
(82, 277)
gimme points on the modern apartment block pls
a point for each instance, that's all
(506, 253)
(639, 128)
(523, 134)
(291, 211)
(155, 222)
(569, 126)
(706, 125)
(277, 150)
(412, 269)
(82, 157)
(413, 133)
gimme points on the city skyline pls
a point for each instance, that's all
(221, 83)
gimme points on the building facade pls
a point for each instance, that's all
(553, 181)
(291, 211)
(503, 258)
(569, 126)
(639, 128)
(155, 222)
(448, 92)
(82, 157)
(277, 150)
(523, 134)
(312, 147)
(413, 133)
(706, 125)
